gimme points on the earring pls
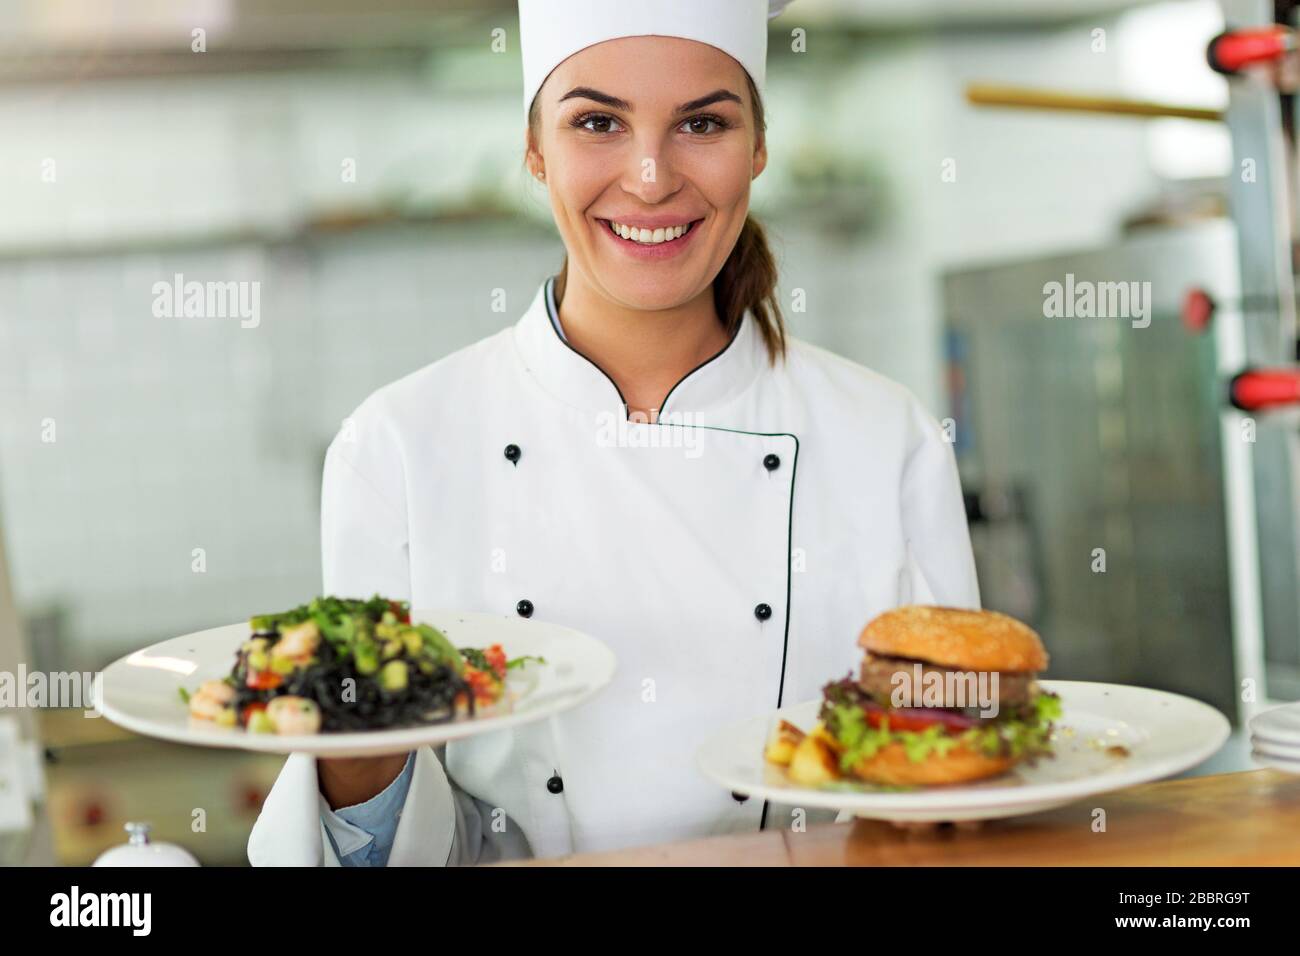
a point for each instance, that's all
(541, 174)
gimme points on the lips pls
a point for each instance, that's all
(650, 251)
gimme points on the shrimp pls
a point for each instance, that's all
(294, 715)
(212, 697)
(298, 642)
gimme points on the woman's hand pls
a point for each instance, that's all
(346, 781)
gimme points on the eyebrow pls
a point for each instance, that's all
(614, 103)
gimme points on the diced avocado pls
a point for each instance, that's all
(283, 665)
(441, 649)
(393, 676)
(367, 658)
(260, 722)
(412, 641)
(258, 661)
(388, 617)
(338, 628)
(392, 649)
(226, 718)
(426, 666)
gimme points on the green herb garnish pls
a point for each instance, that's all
(521, 661)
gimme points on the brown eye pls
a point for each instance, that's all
(699, 125)
(595, 122)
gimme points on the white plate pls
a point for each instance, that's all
(1279, 725)
(1285, 751)
(1269, 758)
(141, 692)
(1162, 733)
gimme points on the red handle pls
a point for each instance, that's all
(1259, 388)
(1198, 310)
(1232, 51)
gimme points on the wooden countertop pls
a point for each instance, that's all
(1234, 819)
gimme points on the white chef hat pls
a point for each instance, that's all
(551, 31)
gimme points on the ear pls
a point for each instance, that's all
(532, 156)
(760, 155)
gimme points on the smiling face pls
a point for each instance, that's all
(655, 137)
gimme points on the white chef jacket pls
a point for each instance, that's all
(729, 554)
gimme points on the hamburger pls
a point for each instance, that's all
(944, 695)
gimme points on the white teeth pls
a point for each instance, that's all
(649, 236)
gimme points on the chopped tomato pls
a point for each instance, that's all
(485, 685)
(403, 615)
(264, 680)
(249, 710)
(496, 658)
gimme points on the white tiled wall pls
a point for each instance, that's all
(179, 433)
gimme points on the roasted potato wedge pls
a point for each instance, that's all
(813, 763)
(785, 738)
(826, 737)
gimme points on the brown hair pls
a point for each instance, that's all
(747, 280)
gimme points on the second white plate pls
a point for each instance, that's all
(141, 692)
(1110, 736)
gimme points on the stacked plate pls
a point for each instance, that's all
(1275, 738)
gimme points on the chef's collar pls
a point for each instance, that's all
(573, 378)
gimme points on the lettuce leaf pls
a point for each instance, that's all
(1027, 733)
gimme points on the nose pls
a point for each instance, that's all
(651, 173)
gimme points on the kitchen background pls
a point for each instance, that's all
(364, 164)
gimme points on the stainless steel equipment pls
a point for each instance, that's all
(1094, 447)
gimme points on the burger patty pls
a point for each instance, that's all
(1013, 688)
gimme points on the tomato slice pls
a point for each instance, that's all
(917, 718)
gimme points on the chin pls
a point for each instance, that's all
(654, 289)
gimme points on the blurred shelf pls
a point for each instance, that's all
(322, 224)
(70, 727)
(203, 799)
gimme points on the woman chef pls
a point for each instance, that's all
(643, 456)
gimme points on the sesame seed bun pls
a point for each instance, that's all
(892, 766)
(955, 638)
